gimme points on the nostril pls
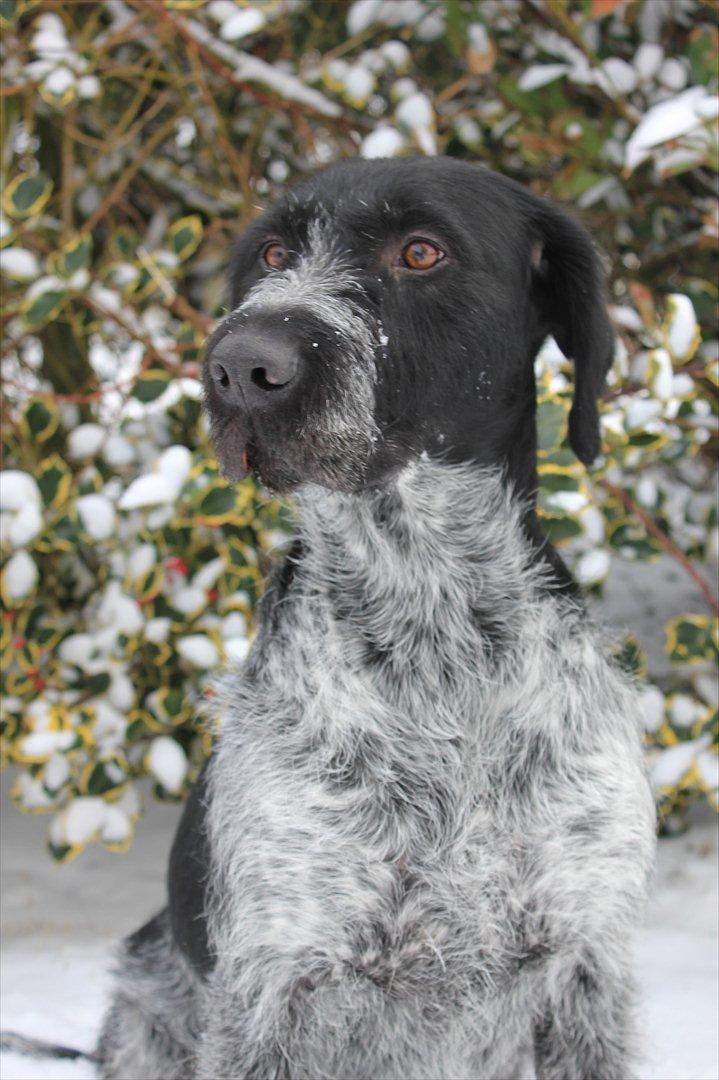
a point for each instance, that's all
(268, 380)
(219, 374)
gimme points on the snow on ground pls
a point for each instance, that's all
(59, 924)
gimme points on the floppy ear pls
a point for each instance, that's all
(568, 283)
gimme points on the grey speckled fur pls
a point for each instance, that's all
(429, 819)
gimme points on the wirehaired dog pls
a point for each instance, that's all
(424, 837)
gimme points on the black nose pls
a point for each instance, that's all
(248, 368)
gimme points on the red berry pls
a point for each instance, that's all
(176, 562)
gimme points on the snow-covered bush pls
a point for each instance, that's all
(139, 139)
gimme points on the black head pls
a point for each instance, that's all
(387, 308)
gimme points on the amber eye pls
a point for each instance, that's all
(421, 255)
(276, 256)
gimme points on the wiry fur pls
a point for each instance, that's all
(151, 1028)
(425, 834)
(428, 813)
(428, 806)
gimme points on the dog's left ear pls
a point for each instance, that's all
(569, 290)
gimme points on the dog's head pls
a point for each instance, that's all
(387, 308)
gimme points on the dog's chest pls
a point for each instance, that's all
(367, 835)
(394, 785)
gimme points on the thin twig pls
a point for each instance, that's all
(118, 190)
(173, 300)
(663, 540)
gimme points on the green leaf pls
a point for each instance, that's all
(66, 534)
(43, 307)
(54, 480)
(8, 11)
(581, 181)
(172, 702)
(630, 539)
(631, 657)
(217, 502)
(185, 235)
(560, 529)
(72, 256)
(103, 776)
(149, 584)
(40, 419)
(551, 423)
(151, 385)
(61, 852)
(692, 639)
(26, 195)
(92, 685)
(553, 479)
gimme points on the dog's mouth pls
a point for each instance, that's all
(284, 461)
(280, 461)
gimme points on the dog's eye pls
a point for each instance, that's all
(421, 255)
(276, 256)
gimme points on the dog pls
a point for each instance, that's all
(423, 839)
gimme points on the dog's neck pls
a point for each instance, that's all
(437, 523)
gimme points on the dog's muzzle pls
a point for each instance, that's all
(290, 394)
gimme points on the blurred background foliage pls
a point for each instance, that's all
(138, 137)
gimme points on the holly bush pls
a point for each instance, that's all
(139, 136)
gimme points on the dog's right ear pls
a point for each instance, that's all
(569, 291)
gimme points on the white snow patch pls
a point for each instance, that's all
(25, 525)
(669, 120)
(59, 80)
(158, 629)
(198, 650)
(648, 59)
(97, 515)
(236, 649)
(592, 567)
(151, 490)
(79, 821)
(537, 75)
(85, 441)
(19, 264)
(42, 744)
(383, 142)
(682, 328)
(167, 762)
(118, 451)
(651, 703)
(242, 23)
(19, 576)
(175, 464)
(417, 114)
(17, 489)
(671, 764)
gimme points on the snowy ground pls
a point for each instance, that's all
(59, 925)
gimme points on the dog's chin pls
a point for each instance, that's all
(282, 469)
(283, 462)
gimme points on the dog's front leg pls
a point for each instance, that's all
(586, 1032)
